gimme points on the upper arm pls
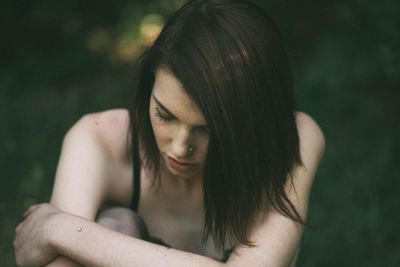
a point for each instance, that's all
(277, 237)
(89, 168)
(312, 148)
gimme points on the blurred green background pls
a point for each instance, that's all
(62, 59)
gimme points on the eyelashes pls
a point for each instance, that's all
(169, 119)
(161, 117)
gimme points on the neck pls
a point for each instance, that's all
(188, 187)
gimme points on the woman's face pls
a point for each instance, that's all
(179, 127)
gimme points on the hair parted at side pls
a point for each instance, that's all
(230, 59)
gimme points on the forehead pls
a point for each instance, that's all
(170, 92)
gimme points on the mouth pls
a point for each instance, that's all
(180, 166)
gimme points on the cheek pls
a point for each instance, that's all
(160, 131)
(203, 148)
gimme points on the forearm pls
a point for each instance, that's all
(63, 262)
(93, 245)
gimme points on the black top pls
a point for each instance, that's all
(136, 176)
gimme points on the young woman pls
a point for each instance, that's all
(213, 165)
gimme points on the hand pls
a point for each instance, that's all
(31, 244)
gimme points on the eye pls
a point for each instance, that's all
(162, 117)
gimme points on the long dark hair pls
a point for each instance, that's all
(230, 59)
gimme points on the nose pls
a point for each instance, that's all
(181, 142)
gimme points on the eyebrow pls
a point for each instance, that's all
(163, 107)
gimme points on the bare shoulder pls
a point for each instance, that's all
(312, 139)
(98, 146)
(103, 123)
(92, 166)
(108, 129)
(312, 147)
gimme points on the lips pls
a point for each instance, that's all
(179, 166)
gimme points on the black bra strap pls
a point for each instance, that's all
(136, 176)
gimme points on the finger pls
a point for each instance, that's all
(18, 228)
(30, 210)
(15, 243)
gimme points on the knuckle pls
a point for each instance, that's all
(17, 228)
(15, 241)
(17, 259)
(18, 262)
